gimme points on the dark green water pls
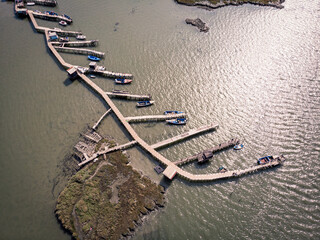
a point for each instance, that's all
(256, 73)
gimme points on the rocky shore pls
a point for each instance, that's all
(212, 4)
(198, 23)
(107, 199)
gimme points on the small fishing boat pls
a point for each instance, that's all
(265, 160)
(64, 39)
(81, 37)
(172, 112)
(122, 81)
(144, 103)
(93, 58)
(92, 76)
(66, 16)
(238, 147)
(178, 121)
(63, 23)
(222, 169)
(30, 4)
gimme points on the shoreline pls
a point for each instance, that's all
(211, 6)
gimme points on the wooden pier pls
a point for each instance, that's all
(80, 51)
(171, 168)
(154, 118)
(50, 3)
(214, 149)
(91, 43)
(110, 74)
(185, 135)
(128, 96)
(103, 116)
(49, 17)
(170, 172)
(116, 148)
(59, 31)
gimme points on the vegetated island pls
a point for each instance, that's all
(211, 4)
(107, 198)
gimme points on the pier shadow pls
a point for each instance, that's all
(67, 82)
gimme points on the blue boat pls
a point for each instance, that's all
(178, 121)
(144, 103)
(264, 160)
(238, 147)
(93, 58)
(172, 112)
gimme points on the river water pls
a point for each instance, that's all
(255, 73)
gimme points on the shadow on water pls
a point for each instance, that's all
(67, 82)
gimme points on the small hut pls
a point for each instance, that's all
(205, 156)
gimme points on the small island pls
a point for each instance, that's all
(107, 198)
(212, 4)
(198, 23)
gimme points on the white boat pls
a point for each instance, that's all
(30, 4)
(63, 23)
(92, 76)
(81, 37)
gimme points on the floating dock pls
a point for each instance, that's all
(214, 149)
(128, 96)
(80, 51)
(153, 118)
(185, 135)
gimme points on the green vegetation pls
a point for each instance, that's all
(106, 199)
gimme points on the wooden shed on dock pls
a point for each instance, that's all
(72, 72)
(204, 156)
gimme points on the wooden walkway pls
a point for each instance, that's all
(51, 17)
(128, 96)
(90, 43)
(137, 140)
(152, 118)
(80, 51)
(51, 3)
(57, 30)
(215, 149)
(109, 150)
(103, 116)
(185, 135)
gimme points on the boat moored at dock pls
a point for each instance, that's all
(63, 23)
(177, 121)
(172, 112)
(93, 58)
(81, 37)
(144, 103)
(238, 147)
(122, 81)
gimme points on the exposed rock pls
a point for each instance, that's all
(198, 23)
